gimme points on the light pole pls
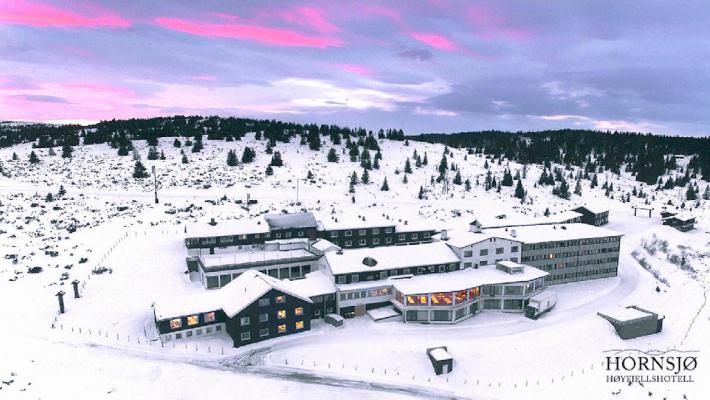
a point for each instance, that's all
(155, 185)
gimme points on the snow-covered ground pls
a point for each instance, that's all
(108, 219)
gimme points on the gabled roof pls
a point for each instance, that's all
(289, 221)
(232, 298)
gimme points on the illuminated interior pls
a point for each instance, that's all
(175, 323)
(281, 314)
(461, 296)
(442, 299)
(298, 311)
(192, 320)
(474, 292)
(417, 300)
(280, 299)
(299, 324)
(281, 328)
(209, 317)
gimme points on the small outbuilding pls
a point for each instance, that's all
(441, 360)
(593, 215)
(683, 223)
(632, 322)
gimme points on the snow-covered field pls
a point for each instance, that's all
(103, 346)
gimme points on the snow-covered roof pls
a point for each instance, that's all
(252, 257)
(325, 245)
(682, 217)
(314, 284)
(418, 225)
(231, 298)
(227, 228)
(439, 354)
(463, 237)
(524, 220)
(347, 221)
(624, 314)
(464, 279)
(594, 207)
(390, 257)
(549, 233)
(289, 221)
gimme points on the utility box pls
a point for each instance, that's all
(441, 360)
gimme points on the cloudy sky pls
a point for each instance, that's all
(424, 66)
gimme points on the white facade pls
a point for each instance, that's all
(487, 252)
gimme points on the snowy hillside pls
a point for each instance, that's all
(101, 227)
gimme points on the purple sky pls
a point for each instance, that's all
(425, 66)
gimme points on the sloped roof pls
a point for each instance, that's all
(232, 298)
(289, 221)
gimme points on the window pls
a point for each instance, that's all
(348, 233)
(280, 299)
(417, 315)
(468, 253)
(467, 265)
(514, 259)
(341, 278)
(441, 315)
(298, 311)
(415, 236)
(348, 243)
(175, 323)
(416, 300)
(244, 321)
(375, 231)
(178, 336)
(218, 328)
(474, 292)
(209, 317)
(484, 262)
(441, 299)
(288, 235)
(401, 237)
(334, 234)
(388, 230)
(281, 314)
(192, 320)
(299, 325)
(376, 241)
(388, 240)
(316, 312)
(264, 302)
(278, 235)
(362, 232)
(263, 332)
(300, 233)
(356, 278)
(263, 317)
(198, 332)
(362, 242)
(245, 336)
(499, 250)
(514, 249)
(427, 235)
(484, 252)
(461, 296)
(383, 274)
(281, 328)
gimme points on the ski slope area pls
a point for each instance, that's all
(107, 219)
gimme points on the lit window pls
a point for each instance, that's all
(209, 317)
(192, 320)
(474, 292)
(461, 296)
(281, 328)
(298, 311)
(281, 314)
(299, 325)
(175, 323)
(280, 299)
(441, 299)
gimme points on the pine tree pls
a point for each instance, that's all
(376, 164)
(562, 191)
(706, 193)
(467, 185)
(507, 178)
(332, 155)
(421, 193)
(177, 143)
(184, 159)
(153, 153)
(309, 175)
(33, 158)
(690, 193)
(519, 190)
(385, 187)
(578, 188)
(353, 179)
(485, 164)
(405, 180)
(276, 160)
(547, 212)
(457, 178)
(365, 177)
(595, 182)
(162, 155)
(14, 156)
(248, 155)
(269, 170)
(232, 160)
(425, 161)
(443, 165)
(52, 152)
(407, 167)
(62, 191)
(49, 198)
(139, 170)
(66, 150)
(197, 145)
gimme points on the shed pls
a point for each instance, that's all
(441, 360)
(632, 322)
(683, 223)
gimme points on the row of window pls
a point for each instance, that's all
(192, 320)
(579, 263)
(341, 279)
(581, 242)
(237, 238)
(264, 317)
(360, 232)
(266, 301)
(484, 252)
(361, 294)
(197, 332)
(485, 262)
(264, 332)
(581, 274)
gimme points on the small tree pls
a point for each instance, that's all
(49, 198)
(177, 143)
(232, 158)
(248, 155)
(153, 153)
(407, 167)
(690, 193)
(520, 190)
(385, 187)
(139, 170)
(365, 177)
(62, 191)
(457, 178)
(33, 158)
(578, 188)
(184, 159)
(269, 170)
(333, 155)
(276, 160)
(421, 193)
(14, 156)
(66, 150)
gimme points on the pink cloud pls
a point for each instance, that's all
(434, 40)
(356, 69)
(203, 77)
(25, 12)
(490, 25)
(310, 17)
(260, 34)
(381, 11)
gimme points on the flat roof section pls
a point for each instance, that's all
(390, 257)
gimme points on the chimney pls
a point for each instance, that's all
(513, 233)
(212, 222)
(444, 234)
(475, 227)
